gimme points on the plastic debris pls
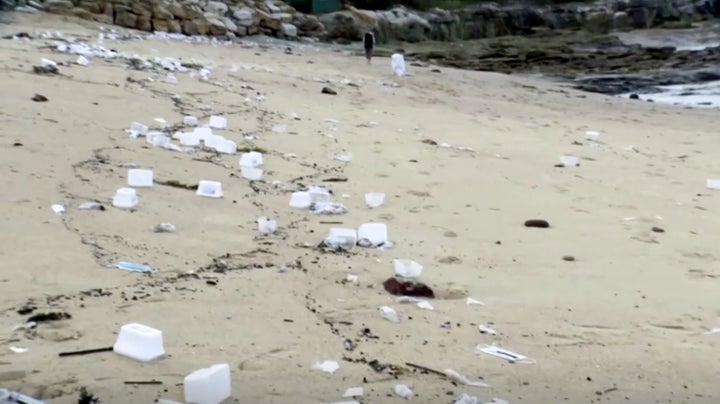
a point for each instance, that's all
(82, 61)
(486, 330)
(374, 234)
(328, 208)
(503, 353)
(125, 198)
(712, 184)
(470, 302)
(407, 268)
(300, 200)
(340, 237)
(460, 379)
(164, 228)
(140, 178)
(133, 267)
(13, 397)
(569, 161)
(345, 158)
(279, 128)
(374, 199)
(266, 226)
(715, 330)
(397, 62)
(18, 349)
(190, 120)
(404, 391)
(251, 159)
(354, 392)
(467, 399)
(209, 189)
(217, 122)
(211, 385)
(251, 173)
(139, 342)
(326, 366)
(592, 135)
(58, 209)
(388, 313)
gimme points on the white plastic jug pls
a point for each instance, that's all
(398, 64)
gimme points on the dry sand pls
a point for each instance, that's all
(623, 323)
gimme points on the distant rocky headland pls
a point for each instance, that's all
(571, 41)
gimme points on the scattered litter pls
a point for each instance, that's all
(140, 178)
(164, 228)
(125, 198)
(251, 159)
(389, 314)
(460, 379)
(157, 139)
(11, 397)
(470, 301)
(18, 349)
(354, 392)
(86, 351)
(171, 79)
(713, 184)
(279, 128)
(592, 135)
(328, 208)
(209, 189)
(425, 305)
(189, 120)
(374, 199)
(137, 129)
(407, 268)
(408, 288)
(715, 330)
(294, 116)
(58, 209)
(373, 234)
(139, 342)
(251, 173)
(267, 226)
(404, 391)
(569, 161)
(467, 399)
(133, 267)
(82, 61)
(226, 146)
(503, 353)
(300, 200)
(340, 237)
(211, 385)
(345, 158)
(397, 62)
(217, 122)
(484, 329)
(326, 366)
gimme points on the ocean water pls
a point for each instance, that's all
(705, 95)
(701, 95)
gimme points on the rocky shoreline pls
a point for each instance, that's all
(574, 42)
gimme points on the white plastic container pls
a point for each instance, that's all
(341, 237)
(569, 161)
(711, 183)
(592, 135)
(203, 133)
(376, 233)
(319, 194)
(300, 200)
(374, 199)
(139, 342)
(251, 173)
(267, 226)
(190, 120)
(140, 178)
(190, 139)
(212, 141)
(210, 189)
(251, 159)
(226, 146)
(125, 198)
(211, 385)
(157, 139)
(217, 122)
(407, 268)
(138, 128)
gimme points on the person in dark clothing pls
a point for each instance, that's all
(369, 42)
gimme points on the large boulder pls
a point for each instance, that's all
(244, 17)
(342, 25)
(402, 25)
(308, 25)
(289, 30)
(217, 8)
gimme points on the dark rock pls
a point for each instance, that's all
(539, 223)
(568, 258)
(39, 98)
(51, 316)
(408, 288)
(658, 229)
(328, 90)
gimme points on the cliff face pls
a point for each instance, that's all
(273, 17)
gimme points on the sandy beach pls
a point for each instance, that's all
(464, 158)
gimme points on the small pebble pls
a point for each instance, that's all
(539, 223)
(658, 229)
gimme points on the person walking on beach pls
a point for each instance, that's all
(369, 42)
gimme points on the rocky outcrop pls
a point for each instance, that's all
(190, 17)
(489, 20)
